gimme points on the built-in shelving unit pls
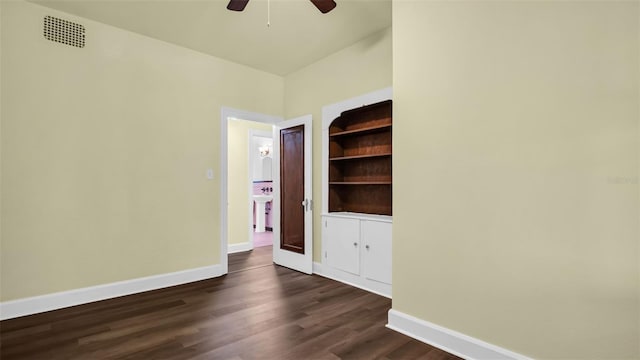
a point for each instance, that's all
(360, 155)
(356, 191)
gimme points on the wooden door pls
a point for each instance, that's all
(293, 204)
(292, 189)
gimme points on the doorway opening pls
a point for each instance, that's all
(261, 192)
(292, 229)
(238, 208)
(250, 188)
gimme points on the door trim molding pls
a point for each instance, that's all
(225, 114)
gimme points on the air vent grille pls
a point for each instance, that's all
(63, 31)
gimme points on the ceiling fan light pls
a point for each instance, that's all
(324, 5)
(237, 5)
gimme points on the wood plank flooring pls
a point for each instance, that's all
(258, 311)
(258, 257)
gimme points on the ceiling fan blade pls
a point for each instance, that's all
(237, 5)
(324, 5)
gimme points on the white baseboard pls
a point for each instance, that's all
(38, 304)
(236, 248)
(448, 340)
(352, 280)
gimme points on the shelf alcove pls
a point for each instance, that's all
(360, 152)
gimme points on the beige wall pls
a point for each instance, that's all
(515, 162)
(516, 200)
(358, 69)
(239, 178)
(104, 153)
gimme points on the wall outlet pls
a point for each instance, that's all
(210, 174)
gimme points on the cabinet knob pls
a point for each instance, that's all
(366, 247)
(355, 244)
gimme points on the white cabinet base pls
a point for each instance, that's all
(353, 280)
(356, 250)
(376, 259)
(345, 248)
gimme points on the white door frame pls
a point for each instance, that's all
(225, 114)
(302, 263)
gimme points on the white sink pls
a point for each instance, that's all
(261, 200)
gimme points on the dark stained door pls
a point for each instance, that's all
(292, 189)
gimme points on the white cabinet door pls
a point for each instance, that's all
(342, 239)
(377, 251)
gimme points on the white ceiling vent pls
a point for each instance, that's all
(63, 31)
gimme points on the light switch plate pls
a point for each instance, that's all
(210, 174)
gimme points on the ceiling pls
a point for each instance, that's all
(298, 34)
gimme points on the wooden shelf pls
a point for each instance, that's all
(360, 183)
(360, 156)
(362, 131)
(357, 157)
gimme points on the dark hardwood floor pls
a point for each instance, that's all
(258, 311)
(258, 257)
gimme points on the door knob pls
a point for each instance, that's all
(307, 204)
